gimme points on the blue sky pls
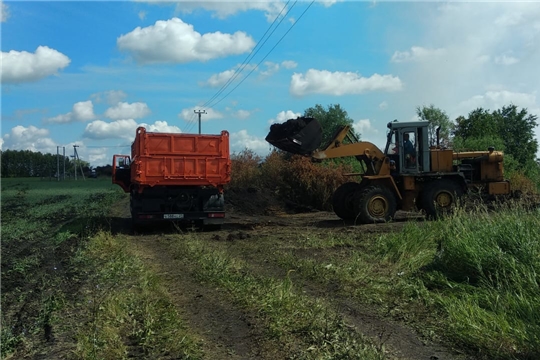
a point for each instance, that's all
(89, 73)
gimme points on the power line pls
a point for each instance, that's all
(241, 81)
(246, 61)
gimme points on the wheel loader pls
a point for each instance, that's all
(403, 176)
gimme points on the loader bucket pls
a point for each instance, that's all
(301, 136)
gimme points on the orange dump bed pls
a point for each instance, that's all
(180, 159)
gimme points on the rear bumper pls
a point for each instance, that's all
(207, 218)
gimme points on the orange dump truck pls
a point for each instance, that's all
(175, 177)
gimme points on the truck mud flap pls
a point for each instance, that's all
(300, 136)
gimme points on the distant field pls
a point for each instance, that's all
(77, 283)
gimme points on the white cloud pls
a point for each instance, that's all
(173, 41)
(383, 105)
(271, 68)
(161, 126)
(82, 111)
(111, 97)
(340, 83)
(223, 9)
(142, 15)
(22, 66)
(241, 114)
(289, 64)
(506, 60)
(190, 116)
(29, 138)
(124, 129)
(241, 140)
(119, 129)
(124, 110)
(417, 54)
(493, 100)
(283, 116)
(4, 12)
(363, 126)
(220, 79)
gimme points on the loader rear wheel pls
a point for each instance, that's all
(439, 198)
(375, 204)
(343, 200)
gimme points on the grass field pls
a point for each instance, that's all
(74, 285)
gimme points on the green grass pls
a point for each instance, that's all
(304, 327)
(472, 280)
(126, 308)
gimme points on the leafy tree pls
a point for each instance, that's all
(330, 119)
(517, 130)
(514, 128)
(479, 123)
(437, 118)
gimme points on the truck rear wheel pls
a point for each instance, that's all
(343, 200)
(375, 204)
(439, 198)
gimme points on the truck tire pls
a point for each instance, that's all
(343, 200)
(375, 204)
(439, 198)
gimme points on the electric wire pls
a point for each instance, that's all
(246, 61)
(241, 81)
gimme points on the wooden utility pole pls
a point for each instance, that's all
(199, 112)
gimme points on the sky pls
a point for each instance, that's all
(89, 73)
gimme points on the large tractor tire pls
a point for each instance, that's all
(440, 197)
(375, 204)
(343, 200)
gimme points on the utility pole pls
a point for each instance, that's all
(199, 112)
(64, 161)
(76, 156)
(58, 163)
(74, 160)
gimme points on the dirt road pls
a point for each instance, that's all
(231, 332)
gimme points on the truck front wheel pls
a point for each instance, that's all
(375, 204)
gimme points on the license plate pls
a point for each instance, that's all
(173, 216)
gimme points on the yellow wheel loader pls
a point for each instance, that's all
(408, 174)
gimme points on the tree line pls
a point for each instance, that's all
(26, 163)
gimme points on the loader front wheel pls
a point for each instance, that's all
(343, 200)
(375, 204)
(439, 198)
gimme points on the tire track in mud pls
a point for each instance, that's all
(226, 331)
(398, 340)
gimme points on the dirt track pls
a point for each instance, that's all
(228, 331)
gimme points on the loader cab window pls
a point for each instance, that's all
(122, 162)
(408, 148)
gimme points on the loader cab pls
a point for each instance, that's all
(407, 145)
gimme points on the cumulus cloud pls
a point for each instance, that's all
(494, 100)
(223, 9)
(161, 126)
(241, 140)
(173, 41)
(383, 105)
(124, 110)
(29, 138)
(283, 116)
(124, 129)
(340, 83)
(190, 116)
(22, 66)
(82, 111)
(289, 64)
(506, 60)
(241, 114)
(119, 129)
(4, 12)
(417, 54)
(364, 126)
(220, 79)
(111, 97)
